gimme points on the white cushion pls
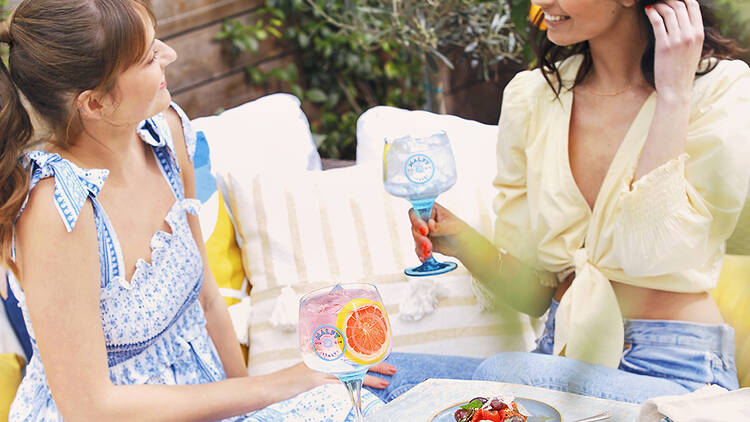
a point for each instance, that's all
(473, 143)
(270, 132)
(311, 229)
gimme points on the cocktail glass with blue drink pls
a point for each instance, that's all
(419, 169)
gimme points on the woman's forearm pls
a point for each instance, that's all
(220, 328)
(202, 402)
(668, 133)
(506, 277)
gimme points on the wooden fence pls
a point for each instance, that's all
(207, 78)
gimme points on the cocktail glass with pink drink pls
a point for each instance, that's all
(344, 330)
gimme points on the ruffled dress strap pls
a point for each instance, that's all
(157, 133)
(73, 185)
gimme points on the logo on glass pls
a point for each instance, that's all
(328, 342)
(419, 169)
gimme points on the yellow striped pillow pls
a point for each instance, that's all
(223, 254)
(300, 231)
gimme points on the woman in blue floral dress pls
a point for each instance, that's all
(125, 318)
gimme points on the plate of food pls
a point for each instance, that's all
(502, 408)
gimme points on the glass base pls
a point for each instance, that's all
(430, 267)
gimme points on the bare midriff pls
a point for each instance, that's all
(643, 303)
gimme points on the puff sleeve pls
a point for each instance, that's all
(511, 205)
(680, 215)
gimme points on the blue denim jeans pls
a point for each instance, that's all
(413, 368)
(660, 358)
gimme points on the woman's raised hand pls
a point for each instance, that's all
(439, 234)
(678, 30)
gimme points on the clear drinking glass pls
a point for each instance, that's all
(344, 330)
(419, 169)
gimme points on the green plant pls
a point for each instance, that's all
(440, 32)
(351, 55)
(478, 30)
(248, 37)
(734, 22)
(4, 15)
(335, 77)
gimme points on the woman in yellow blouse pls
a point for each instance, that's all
(622, 171)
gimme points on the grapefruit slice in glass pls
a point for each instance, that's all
(365, 326)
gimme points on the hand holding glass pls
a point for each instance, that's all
(420, 169)
(344, 330)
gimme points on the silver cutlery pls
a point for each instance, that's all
(598, 417)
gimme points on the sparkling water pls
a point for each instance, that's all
(419, 168)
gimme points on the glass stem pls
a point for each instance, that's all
(353, 384)
(423, 207)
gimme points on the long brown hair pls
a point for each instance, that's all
(58, 49)
(549, 54)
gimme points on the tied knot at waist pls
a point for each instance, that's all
(588, 323)
(581, 259)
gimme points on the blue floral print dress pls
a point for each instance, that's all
(153, 324)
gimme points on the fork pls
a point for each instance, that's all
(598, 417)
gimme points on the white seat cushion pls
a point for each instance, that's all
(311, 229)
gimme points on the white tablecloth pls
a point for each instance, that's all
(422, 402)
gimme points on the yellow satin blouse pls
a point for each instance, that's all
(667, 232)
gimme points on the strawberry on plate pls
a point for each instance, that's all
(494, 409)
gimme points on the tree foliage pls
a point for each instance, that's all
(355, 54)
(480, 31)
(734, 20)
(331, 70)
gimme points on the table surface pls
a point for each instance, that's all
(424, 400)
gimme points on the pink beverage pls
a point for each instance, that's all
(322, 342)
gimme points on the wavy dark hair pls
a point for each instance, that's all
(548, 54)
(58, 49)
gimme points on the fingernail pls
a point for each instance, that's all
(648, 7)
(383, 384)
(423, 230)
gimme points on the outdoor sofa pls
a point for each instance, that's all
(276, 226)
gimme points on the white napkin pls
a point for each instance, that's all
(709, 404)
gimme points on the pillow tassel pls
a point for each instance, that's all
(420, 299)
(285, 315)
(240, 315)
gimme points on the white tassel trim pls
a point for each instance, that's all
(285, 315)
(240, 316)
(420, 299)
(485, 299)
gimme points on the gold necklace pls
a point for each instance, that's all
(613, 94)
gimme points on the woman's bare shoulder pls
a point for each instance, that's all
(41, 231)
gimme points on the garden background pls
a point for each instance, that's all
(341, 57)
